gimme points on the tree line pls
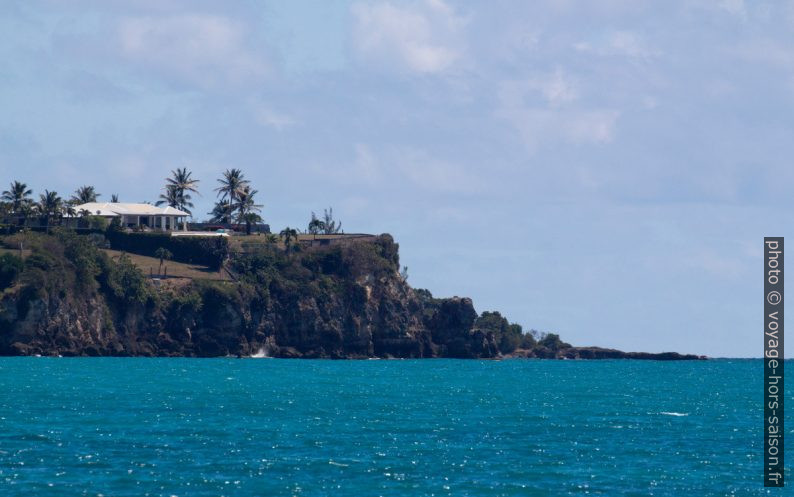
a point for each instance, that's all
(236, 199)
(236, 203)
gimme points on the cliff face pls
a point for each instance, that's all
(337, 302)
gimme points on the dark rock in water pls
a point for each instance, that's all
(602, 353)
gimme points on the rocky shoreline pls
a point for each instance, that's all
(596, 353)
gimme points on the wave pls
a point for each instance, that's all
(260, 354)
(665, 413)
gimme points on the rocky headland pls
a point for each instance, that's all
(67, 297)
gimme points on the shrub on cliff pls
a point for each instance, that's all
(528, 340)
(84, 255)
(553, 342)
(123, 281)
(10, 268)
(508, 336)
(378, 258)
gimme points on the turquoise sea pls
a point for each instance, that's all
(257, 427)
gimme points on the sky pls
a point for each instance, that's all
(604, 170)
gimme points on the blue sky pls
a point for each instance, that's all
(606, 170)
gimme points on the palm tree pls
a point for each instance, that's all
(316, 225)
(170, 197)
(232, 183)
(114, 199)
(84, 220)
(220, 212)
(181, 182)
(288, 234)
(250, 219)
(247, 208)
(18, 196)
(162, 254)
(69, 211)
(84, 195)
(49, 205)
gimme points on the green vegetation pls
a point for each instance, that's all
(71, 266)
(318, 274)
(552, 342)
(10, 268)
(509, 336)
(123, 282)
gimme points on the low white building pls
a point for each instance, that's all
(136, 215)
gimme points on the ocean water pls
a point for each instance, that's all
(255, 427)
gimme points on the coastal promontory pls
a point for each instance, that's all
(69, 294)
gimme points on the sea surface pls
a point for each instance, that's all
(259, 427)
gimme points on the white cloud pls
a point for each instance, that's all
(555, 116)
(766, 51)
(267, 116)
(396, 167)
(618, 43)
(556, 88)
(586, 126)
(423, 38)
(437, 175)
(203, 50)
(735, 7)
(365, 168)
(716, 264)
(366, 164)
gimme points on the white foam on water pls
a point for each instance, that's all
(674, 413)
(260, 354)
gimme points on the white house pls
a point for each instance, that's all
(133, 215)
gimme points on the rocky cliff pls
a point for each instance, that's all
(337, 302)
(69, 298)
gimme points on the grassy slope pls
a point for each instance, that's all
(25, 252)
(175, 269)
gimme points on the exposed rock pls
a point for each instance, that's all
(602, 353)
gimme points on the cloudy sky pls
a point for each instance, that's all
(606, 170)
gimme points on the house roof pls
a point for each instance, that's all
(113, 209)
